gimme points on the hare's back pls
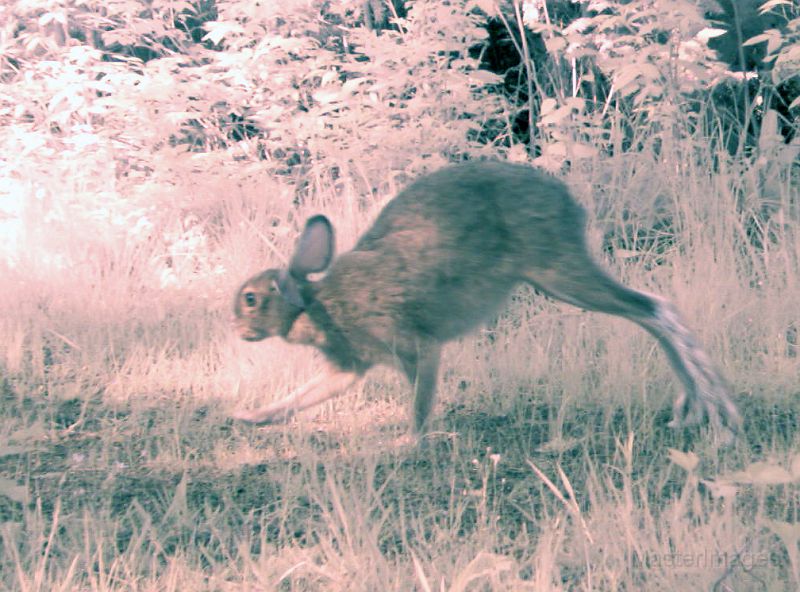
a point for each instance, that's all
(493, 207)
(445, 253)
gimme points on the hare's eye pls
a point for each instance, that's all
(249, 299)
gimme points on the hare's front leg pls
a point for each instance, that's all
(320, 388)
(421, 366)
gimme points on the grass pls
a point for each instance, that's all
(172, 496)
(550, 466)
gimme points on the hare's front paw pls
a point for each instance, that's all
(259, 416)
(242, 415)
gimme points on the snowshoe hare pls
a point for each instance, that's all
(440, 259)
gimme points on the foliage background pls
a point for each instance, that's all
(156, 153)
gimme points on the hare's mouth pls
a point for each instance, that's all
(249, 334)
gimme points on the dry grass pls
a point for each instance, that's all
(549, 467)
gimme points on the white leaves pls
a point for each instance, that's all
(794, 466)
(688, 461)
(579, 151)
(10, 489)
(517, 153)
(579, 25)
(548, 105)
(770, 4)
(352, 85)
(483, 77)
(218, 30)
(704, 35)
(484, 566)
(21, 441)
(531, 13)
(423, 579)
(560, 121)
(721, 489)
(178, 511)
(555, 44)
(327, 96)
(726, 486)
(763, 473)
(178, 117)
(488, 7)
(772, 37)
(789, 533)
(556, 115)
(50, 17)
(551, 113)
(632, 77)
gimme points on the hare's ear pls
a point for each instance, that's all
(314, 250)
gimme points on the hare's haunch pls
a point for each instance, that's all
(439, 260)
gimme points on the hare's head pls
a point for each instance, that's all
(268, 303)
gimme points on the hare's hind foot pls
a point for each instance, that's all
(709, 396)
(705, 393)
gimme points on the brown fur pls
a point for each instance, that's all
(439, 260)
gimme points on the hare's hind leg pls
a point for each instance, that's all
(320, 388)
(581, 282)
(421, 366)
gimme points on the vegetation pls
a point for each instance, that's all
(155, 154)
